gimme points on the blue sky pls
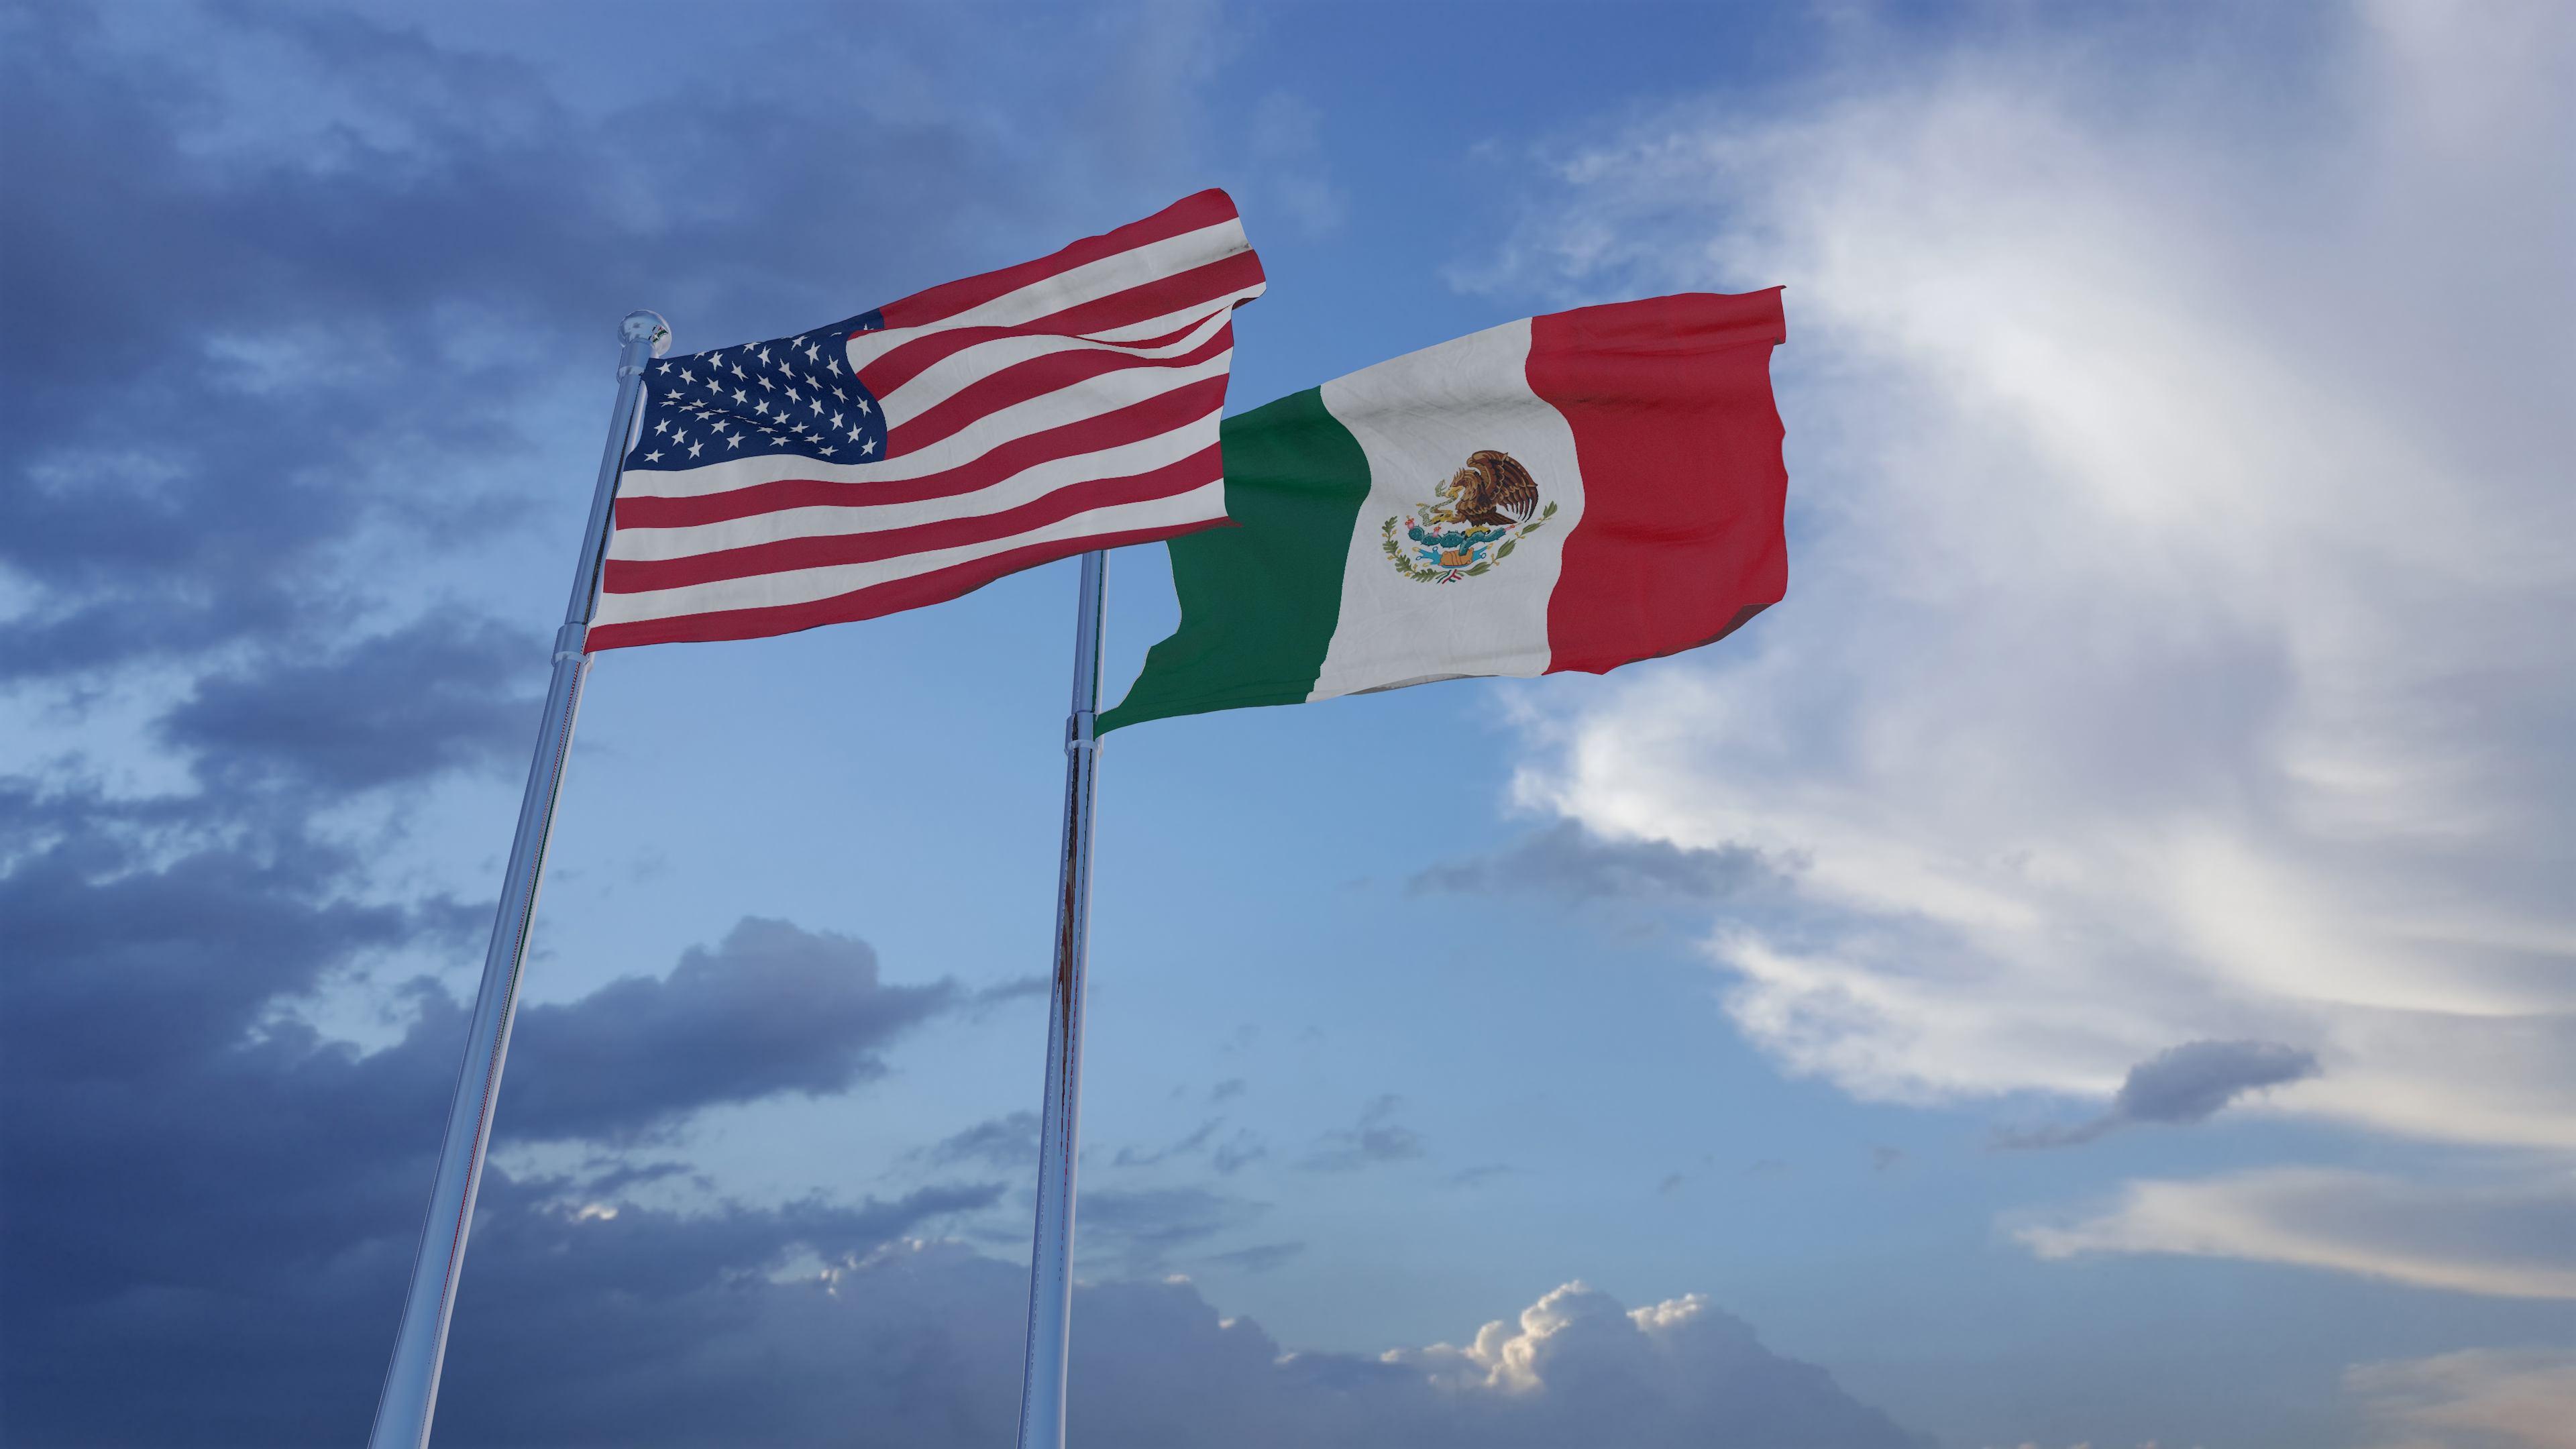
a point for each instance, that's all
(2092, 967)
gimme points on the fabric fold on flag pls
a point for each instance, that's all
(914, 453)
(1569, 492)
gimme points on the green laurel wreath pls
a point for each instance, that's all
(1405, 566)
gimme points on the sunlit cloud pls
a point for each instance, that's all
(2173, 650)
(2500, 1242)
(2482, 1398)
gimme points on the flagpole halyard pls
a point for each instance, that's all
(1042, 1388)
(410, 1395)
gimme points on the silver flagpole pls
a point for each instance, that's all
(1060, 1143)
(411, 1384)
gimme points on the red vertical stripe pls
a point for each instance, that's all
(1679, 440)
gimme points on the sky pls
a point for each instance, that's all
(2094, 966)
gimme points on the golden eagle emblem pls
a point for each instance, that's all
(1472, 522)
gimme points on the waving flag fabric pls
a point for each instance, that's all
(1569, 492)
(913, 453)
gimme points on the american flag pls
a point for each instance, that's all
(924, 449)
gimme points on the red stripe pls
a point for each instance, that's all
(1035, 378)
(1161, 297)
(1133, 423)
(918, 356)
(638, 576)
(1683, 488)
(892, 597)
(1188, 214)
(1140, 303)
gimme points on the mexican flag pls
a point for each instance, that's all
(1568, 492)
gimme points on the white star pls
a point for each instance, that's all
(694, 447)
(792, 397)
(764, 382)
(817, 405)
(869, 446)
(836, 420)
(761, 407)
(833, 366)
(737, 369)
(855, 434)
(764, 354)
(734, 442)
(666, 367)
(812, 352)
(663, 426)
(863, 406)
(653, 457)
(685, 377)
(828, 450)
(836, 392)
(740, 396)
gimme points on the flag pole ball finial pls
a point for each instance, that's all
(641, 325)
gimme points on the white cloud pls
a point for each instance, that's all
(2517, 1242)
(922, 1341)
(2482, 1398)
(2176, 647)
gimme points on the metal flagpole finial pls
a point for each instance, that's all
(641, 326)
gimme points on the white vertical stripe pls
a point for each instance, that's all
(1418, 418)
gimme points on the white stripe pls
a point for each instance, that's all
(805, 586)
(1086, 399)
(1418, 418)
(1153, 327)
(1090, 282)
(967, 366)
(826, 520)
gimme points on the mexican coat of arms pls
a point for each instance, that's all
(1472, 522)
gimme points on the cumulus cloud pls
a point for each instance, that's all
(2509, 1242)
(2172, 652)
(2481, 1398)
(1578, 1368)
(2189, 1083)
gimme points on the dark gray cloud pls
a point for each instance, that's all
(1260, 1257)
(1567, 864)
(1142, 1229)
(1006, 1141)
(432, 696)
(249, 340)
(1191, 1145)
(2191, 1082)
(240, 335)
(2184, 1084)
(225, 1206)
(773, 1010)
(1375, 1140)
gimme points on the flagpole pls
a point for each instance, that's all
(411, 1383)
(1042, 1388)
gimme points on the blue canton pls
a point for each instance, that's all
(790, 395)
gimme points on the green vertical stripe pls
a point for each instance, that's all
(1259, 603)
